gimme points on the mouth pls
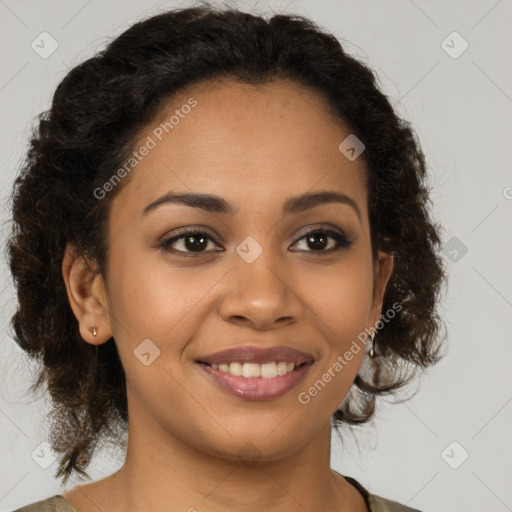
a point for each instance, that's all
(257, 374)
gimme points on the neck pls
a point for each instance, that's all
(162, 472)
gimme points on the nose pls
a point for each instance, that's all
(260, 295)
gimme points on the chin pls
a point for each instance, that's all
(252, 444)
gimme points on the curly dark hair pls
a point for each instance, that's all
(97, 112)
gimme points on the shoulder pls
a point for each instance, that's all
(54, 504)
(379, 504)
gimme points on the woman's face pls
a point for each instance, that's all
(251, 280)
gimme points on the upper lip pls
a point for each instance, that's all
(257, 355)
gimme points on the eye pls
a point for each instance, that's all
(318, 240)
(190, 241)
(197, 241)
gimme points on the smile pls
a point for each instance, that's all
(251, 370)
(257, 373)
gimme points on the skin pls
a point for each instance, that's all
(255, 147)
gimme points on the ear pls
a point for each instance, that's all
(383, 268)
(87, 296)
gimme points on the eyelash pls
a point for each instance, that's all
(342, 242)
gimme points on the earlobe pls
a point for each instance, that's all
(87, 297)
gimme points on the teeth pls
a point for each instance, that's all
(235, 368)
(282, 368)
(268, 370)
(251, 370)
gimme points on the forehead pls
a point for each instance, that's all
(237, 140)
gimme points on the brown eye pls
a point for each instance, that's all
(322, 241)
(192, 241)
(318, 240)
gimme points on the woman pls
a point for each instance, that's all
(215, 216)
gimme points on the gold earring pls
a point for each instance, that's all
(372, 350)
(93, 330)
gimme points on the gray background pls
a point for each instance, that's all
(461, 110)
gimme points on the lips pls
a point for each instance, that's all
(252, 387)
(257, 355)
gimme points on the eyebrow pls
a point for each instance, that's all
(216, 204)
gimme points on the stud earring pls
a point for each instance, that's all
(372, 350)
(93, 330)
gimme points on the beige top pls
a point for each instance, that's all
(374, 503)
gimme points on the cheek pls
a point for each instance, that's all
(340, 295)
(341, 303)
(165, 305)
(152, 300)
(341, 300)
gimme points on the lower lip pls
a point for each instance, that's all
(257, 388)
